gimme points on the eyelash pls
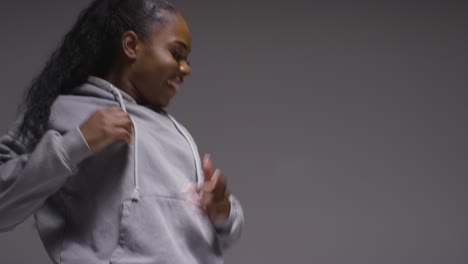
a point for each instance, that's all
(178, 56)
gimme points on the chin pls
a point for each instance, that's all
(160, 104)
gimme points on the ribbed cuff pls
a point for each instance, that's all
(75, 148)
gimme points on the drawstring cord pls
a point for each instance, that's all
(198, 167)
(136, 190)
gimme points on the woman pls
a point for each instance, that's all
(109, 175)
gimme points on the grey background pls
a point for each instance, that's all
(340, 124)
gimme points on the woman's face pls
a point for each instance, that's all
(160, 63)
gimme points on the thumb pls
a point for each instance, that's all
(207, 167)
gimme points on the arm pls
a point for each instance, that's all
(28, 178)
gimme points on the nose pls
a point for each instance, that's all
(184, 68)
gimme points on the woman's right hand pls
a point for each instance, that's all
(105, 126)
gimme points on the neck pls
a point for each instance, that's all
(119, 79)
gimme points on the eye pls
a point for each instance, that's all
(179, 57)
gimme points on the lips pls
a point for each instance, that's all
(175, 83)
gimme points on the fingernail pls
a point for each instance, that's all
(215, 175)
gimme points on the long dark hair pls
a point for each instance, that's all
(89, 48)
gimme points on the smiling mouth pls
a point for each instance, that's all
(175, 83)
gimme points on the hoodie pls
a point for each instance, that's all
(129, 203)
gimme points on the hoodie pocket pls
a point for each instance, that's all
(165, 230)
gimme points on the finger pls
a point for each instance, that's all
(122, 134)
(121, 119)
(207, 167)
(218, 178)
(213, 196)
(119, 115)
(111, 114)
(124, 123)
(218, 207)
(208, 187)
(219, 184)
(114, 109)
(207, 199)
(207, 191)
(216, 181)
(210, 199)
(116, 113)
(214, 203)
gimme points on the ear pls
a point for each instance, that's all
(130, 44)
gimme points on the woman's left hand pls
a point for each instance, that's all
(214, 193)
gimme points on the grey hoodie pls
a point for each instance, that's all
(130, 204)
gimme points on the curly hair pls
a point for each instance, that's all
(89, 48)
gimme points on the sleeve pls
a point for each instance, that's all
(28, 178)
(230, 231)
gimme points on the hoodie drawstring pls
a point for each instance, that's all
(118, 96)
(198, 167)
(136, 189)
